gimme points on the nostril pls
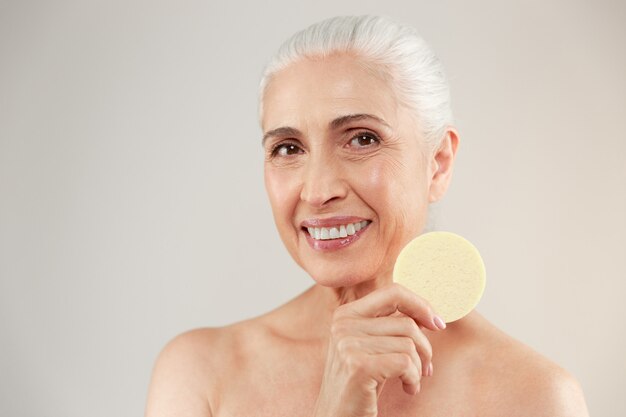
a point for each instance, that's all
(321, 200)
(321, 189)
(332, 199)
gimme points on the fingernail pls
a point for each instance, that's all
(439, 322)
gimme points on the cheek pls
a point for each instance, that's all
(392, 182)
(396, 189)
(377, 183)
(281, 190)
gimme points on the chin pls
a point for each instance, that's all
(338, 280)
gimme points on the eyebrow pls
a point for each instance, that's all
(333, 125)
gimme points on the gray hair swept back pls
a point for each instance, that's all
(394, 50)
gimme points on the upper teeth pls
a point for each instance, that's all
(335, 232)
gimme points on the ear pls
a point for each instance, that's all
(441, 164)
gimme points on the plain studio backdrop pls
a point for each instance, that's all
(132, 205)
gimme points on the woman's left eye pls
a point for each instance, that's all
(363, 140)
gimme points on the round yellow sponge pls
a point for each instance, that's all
(445, 269)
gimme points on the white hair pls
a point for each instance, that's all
(393, 50)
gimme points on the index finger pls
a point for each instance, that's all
(388, 300)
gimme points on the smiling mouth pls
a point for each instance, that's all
(336, 232)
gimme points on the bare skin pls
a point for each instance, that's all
(354, 344)
(273, 365)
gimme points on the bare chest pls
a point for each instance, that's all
(289, 391)
(284, 380)
(268, 387)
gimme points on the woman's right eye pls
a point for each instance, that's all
(286, 149)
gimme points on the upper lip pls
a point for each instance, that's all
(331, 221)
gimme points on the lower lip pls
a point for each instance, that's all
(333, 244)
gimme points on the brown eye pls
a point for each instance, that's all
(363, 140)
(286, 149)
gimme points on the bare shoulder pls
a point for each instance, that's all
(193, 369)
(188, 368)
(524, 382)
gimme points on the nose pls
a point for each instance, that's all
(323, 181)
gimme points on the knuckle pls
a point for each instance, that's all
(408, 344)
(416, 336)
(405, 361)
(345, 346)
(337, 328)
(425, 348)
(342, 346)
(355, 364)
(409, 325)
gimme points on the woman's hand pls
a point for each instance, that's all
(369, 344)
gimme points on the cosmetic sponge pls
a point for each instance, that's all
(446, 270)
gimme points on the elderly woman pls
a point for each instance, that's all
(358, 141)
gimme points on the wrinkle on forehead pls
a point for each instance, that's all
(320, 88)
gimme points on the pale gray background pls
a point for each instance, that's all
(132, 205)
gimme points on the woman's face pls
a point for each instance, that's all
(346, 169)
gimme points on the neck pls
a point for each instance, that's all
(323, 301)
(342, 295)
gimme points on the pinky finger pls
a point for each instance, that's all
(396, 365)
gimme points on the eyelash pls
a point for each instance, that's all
(276, 148)
(368, 134)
